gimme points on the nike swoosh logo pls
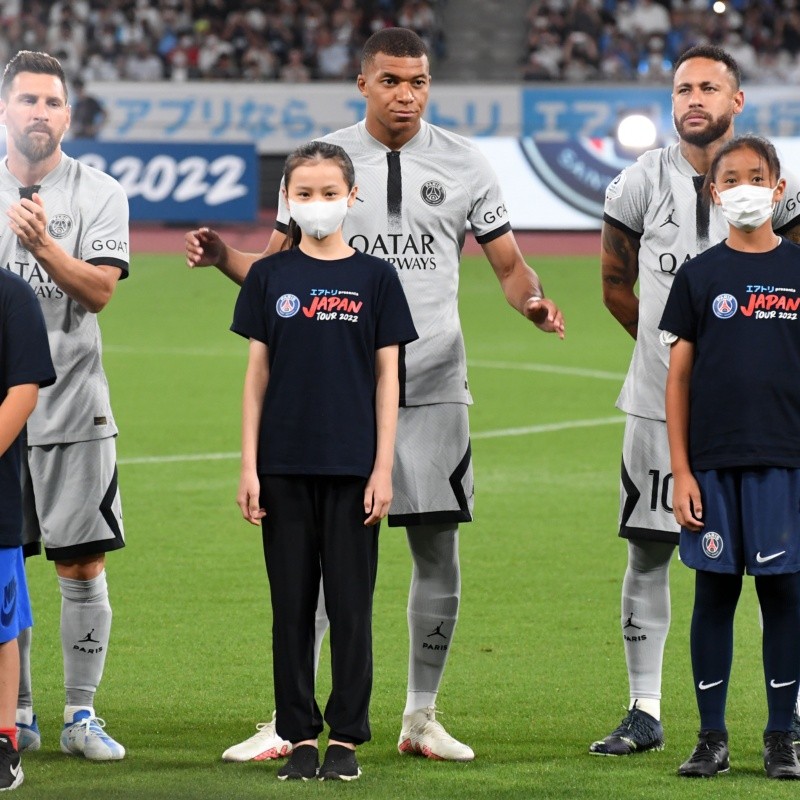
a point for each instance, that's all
(763, 559)
(780, 685)
(15, 770)
(703, 686)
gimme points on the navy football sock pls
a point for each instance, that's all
(779, 596)
(715, 599)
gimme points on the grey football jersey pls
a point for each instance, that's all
(87, 213)
(659, 200)
(446, 182)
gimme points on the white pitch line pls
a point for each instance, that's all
(131, 350)
(531, 429)
(549, 428)
(577, 372)
(219, 352)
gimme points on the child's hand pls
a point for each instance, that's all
(377, 496)
(247, 498)
(687, 504)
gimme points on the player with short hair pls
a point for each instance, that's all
(25, 366)
(734, 440)
(656, 218)
(67, 227)
(419, 186)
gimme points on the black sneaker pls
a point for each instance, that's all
(302, 765)
(709, 757)
(10, 766)
(780, 758)
(636, 733)
(339, 765)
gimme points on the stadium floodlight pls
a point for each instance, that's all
(636, 131)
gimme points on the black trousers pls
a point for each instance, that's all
(315, 527)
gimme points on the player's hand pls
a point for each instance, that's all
(545, 315)
(27, 219)
(377, 497)
(247, 498)
(687, 503)
(204, 248)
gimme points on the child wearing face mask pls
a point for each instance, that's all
(733, 420)
(319, 414)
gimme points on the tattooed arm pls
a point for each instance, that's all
(793, 233)
(619, 259)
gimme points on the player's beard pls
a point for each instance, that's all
(36, 149)
(716, 129)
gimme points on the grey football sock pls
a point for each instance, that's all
(25, 694)
(85, 628)
(646, 615)
(432, 608)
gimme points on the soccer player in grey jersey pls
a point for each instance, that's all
(656, 218)
(418, 187)
(66, 234)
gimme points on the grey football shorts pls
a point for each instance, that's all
(646, 483)
(432, 479)
(70, 500)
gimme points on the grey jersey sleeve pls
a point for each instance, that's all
(627, 198)
(106, 237)
(488, 215)
(787, 213)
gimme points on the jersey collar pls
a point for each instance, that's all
(413, 143)
(51, 178)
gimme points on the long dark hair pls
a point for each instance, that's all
(314, 152)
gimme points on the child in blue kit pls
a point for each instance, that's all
(733, 422)
(321, 395)
(25, 365)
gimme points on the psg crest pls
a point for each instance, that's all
(712, 544)
(287, 306)
(59, 226)
(433, 193)
(724, 306)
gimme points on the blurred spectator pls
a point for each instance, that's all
(142, 64)
(255, 39)
(743, 52)
(334, 60)
(294, 70)
(88, 114)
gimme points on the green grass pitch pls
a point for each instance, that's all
(536, 671)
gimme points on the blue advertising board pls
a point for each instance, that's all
(178, 182)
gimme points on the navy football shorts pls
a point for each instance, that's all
(751, 522)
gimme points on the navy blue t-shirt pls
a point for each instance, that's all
(24, 358)
(323, 322)
(742, 312)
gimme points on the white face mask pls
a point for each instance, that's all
(747, 207)
(319, 218)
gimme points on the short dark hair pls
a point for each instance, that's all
(395, 42)
(713, 53)
(762, 147)
(32, 61)
(314, 152)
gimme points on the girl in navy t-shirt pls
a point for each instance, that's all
(733, 422)
(319, 415)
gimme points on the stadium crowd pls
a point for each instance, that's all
(302, 40)
(585, 40)
(146, 40)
